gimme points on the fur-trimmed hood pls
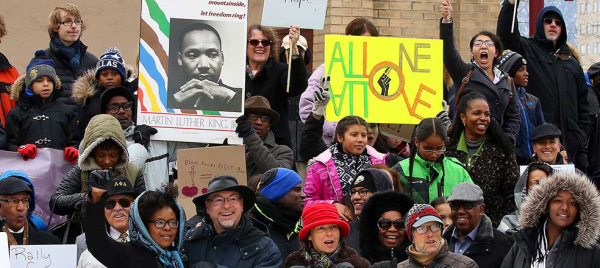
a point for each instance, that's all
(87, 85)
(18, 88)
(535, 207)
(102, 127)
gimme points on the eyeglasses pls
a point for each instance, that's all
(362, 192)
(264, 118)
(125, 203)
(466, 205)
(162, 223)
(15, 202)
(114, 108)
(219, 201)
(550, 20)
(434, 229)
(488, 43)
(255, 42)
(441, 151)
(385, 224)
(70, 22)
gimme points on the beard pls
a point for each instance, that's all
(228, 224)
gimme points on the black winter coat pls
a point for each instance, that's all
(490, 245)
(66, 74)
(271, 82)
(501, 97)
(37, 236)
(555, 77)
(48, 123)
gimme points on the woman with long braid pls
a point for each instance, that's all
(427, 174)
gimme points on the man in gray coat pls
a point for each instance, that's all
(262, 153)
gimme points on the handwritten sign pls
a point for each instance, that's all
(197, 166)
(4, 257)
(384, 80)
(570, 168)
(46, 256)
(308, 14)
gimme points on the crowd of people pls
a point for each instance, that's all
(450, 196)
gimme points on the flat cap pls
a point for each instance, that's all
(545, 131)
(467, 192)
(13, 185)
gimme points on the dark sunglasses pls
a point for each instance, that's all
(550, 20)
(125, 203)
(263, 118)
(385, 224)
(255, 42)
(465, 205)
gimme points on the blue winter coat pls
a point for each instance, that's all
(35, 220)
(531, 117)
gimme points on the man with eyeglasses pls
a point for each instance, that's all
(472, 233)
(200, 58)
(262, 153)
(424, 229)
(228, 238)
(16, 197)
(69, 54)
(118, 199)
(555, 76)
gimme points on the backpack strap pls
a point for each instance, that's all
(464, 83)
(510, 92)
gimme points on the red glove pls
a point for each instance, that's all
(28, 151)
(71, 155)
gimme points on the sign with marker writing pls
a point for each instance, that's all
(4, 257)
(195, 168)
(382, 79)
(43, 256)
(308, 14)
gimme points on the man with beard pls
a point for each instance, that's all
(228, 238)
(555, 76)
(279, 204)
(201, 60)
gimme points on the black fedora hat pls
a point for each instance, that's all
(227, 183)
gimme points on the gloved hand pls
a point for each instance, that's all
(100, 178)
(244, 127)
(321, 97)
(142, 133)
(443, 115)
(71, 155)
(28, 151)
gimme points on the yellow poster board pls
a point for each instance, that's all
(384, 80)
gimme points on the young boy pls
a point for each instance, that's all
(531, 108)
(110, 72)
(38, 119)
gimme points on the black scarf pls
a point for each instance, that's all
(282, 216)
(72, 54)
(348, 165)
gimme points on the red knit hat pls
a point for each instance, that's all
(321, 214)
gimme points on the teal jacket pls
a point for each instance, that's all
(427, 183)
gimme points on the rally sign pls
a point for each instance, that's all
(384, 80)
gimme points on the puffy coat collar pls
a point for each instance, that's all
(534, 209)
(17, 92)
(102, 127)
(243, 236)
(87, 85)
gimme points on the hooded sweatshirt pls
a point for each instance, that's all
(37, 221)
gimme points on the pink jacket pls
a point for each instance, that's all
(322, 179)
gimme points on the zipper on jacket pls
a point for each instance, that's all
(526, 124)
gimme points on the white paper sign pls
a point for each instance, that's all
(4, 258)
(308, 14)
(563, 168)
(44, 256)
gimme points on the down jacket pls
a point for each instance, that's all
(577, 245)
(45, 123)
(555, 76)
(69, 195)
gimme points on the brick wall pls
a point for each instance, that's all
(409, 18)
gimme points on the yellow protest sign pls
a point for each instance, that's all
(384, 80)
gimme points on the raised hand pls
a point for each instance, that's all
(294, 35)
(447, 11)
(321, 97)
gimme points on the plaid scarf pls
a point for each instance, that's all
(322, 260)
(348, 165)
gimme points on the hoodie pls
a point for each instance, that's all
(35, 220)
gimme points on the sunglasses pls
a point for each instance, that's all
(465, 205)
(550, 20)
(255, 42)
(385, 224)
(125, 203)
(263, 118)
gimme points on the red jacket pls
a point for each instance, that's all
(8, 74)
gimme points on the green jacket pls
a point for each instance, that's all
(424, 189)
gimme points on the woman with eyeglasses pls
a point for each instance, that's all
(427, 174)
(481, 74)
(267, 77)
(382, 234)
(156, 223)
(481, 146)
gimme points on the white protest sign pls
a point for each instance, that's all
(46, 256)
(564, 168)
(308, 14)
(4, 258)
